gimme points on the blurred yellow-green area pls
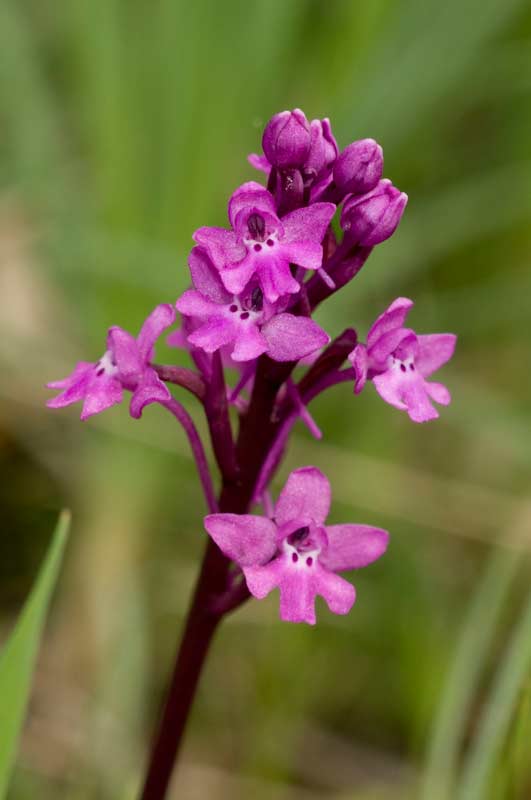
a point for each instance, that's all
(125, 125)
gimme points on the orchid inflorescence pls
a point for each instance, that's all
(248, 314)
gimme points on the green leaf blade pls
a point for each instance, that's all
(18, 657)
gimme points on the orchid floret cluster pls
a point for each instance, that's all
(247, 332)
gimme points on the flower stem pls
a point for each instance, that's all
(215, 595)
(201, 624)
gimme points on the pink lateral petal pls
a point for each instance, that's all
(291, 338)
(308, 224)
(308, 255)
(194, 304)
(245, 538)
(435, 349)
(352, 546)
(205, 277)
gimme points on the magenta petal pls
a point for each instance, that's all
(297, 598)
(126, 354)
(308, 224)
(435, 349)
(205, 276)
(194, 304)
(388, 387)
(262, 579)
(75, 387)
(222, 245)
(308, 255)
(393, 317)
(213, 334)
(340, 595)
(305, 497)
(150, 390)
(352, 546)
(360, 363)
(291, 338)
(160, 318)
(102, 392)
(236, 277)
(418, 403)
(250, 195)
(389, 342)
(249, 344)
(276, 278)
(81, 368)
(247, 539)
(438, 392)
(259, 162)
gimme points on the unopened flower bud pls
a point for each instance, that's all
(286, 139)
(359, 167)
(373, 217)
(323, 147)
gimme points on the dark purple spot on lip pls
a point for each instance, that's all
(244, 315)
(257, 247)
(270, 243)
(412, 367)
(99, 372)
(294, 557)
(233, 308)
(403, 367)
(309, 561)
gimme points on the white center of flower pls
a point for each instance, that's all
(301, 560)
(248, 309)
(106, 365)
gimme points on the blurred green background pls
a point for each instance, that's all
(125, 124)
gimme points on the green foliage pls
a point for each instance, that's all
(17, 659)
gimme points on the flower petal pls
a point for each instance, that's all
(435, 349)
(291, 338)
(160, 318)
(340, 595)
(275, 277)
(418, 403)
(308, 255)
(81, 368)
(236, 277)
(438, 392)
(308, 224)
(251, 195)
(305, 497)
(102, 392)
(360, 363)
(259, 162)
(352, 546)
(221, 245)
(150, 390)
(125, 350)
(392, 317)
(249, 344)
(245, 538)
(195, 304)
(205, 277)
(213, 334)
